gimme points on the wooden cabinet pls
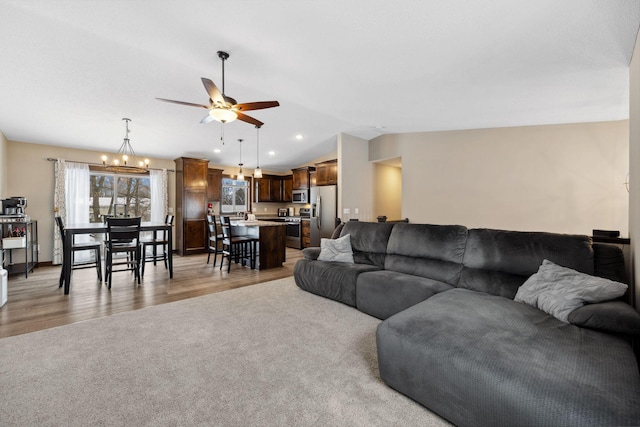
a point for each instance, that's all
(327, 173)
(273, 188)
(276, 189)
(263, 189)
(306, 233)
(301, 178)
(191, 204)
(287, 188)
(214, 185)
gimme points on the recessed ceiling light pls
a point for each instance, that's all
(272, 153)
(217, 150)
(299, 136)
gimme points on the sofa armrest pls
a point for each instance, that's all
(311, 253)
(612, 316)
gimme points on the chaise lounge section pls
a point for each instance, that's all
(454, 339)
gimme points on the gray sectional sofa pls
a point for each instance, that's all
(454, 339)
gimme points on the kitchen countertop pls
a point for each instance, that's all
(257, 223)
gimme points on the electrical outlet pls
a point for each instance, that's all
(170, 210)
(346, 211)
(265, 209)
(356, 211)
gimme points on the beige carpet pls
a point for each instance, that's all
(268, 355)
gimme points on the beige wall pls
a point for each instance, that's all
(355, 179)
(387, 196)
(634, 164)
(557, 178)
(3, 165)
(30, 174)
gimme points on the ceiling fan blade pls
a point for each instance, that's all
(207, 119)
(247, 106)
(249, 119)
(191, 104)
(213, 91)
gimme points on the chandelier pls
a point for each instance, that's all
(125, 160)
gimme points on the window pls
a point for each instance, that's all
(119, 194)
(235, 196)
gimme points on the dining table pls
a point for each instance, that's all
(72, 230)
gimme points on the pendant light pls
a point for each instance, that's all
(126, 160)
(257, 173)
(240, 176)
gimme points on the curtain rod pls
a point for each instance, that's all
(100, 164)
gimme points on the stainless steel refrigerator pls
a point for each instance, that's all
(324, 203)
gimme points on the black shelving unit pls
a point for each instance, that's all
(20, 256)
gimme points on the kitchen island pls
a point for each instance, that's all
(272, 241)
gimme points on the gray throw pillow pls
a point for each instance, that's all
(558, 290)
(338, 250)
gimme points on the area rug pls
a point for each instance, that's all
(264, 355)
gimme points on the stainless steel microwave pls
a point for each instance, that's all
(300, 196)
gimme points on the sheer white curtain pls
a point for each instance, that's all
(77, 192)
(71, 202)
(159, 194)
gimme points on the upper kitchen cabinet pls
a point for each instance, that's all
(327, 173)
(263, 188)
(287, 188)
(191, 202)
(301, 179)
(273, 188)
(214, 185)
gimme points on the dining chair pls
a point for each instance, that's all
(154, 243)
(76, 247)
(215, 239)
(238, 248)
(123, 237)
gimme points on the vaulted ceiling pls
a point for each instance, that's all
(71, 70)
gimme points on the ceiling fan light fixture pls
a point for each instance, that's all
(223, 115)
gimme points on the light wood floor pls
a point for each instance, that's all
(37, 303)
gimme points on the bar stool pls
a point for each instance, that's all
(238, 248)
(214, 239)
(89, 246)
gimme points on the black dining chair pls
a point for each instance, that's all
(237, 248)
(154, 243)
(123, 237)
(215, 239)
(76, 247)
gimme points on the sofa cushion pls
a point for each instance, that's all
(478, 359)
(311, 253)
(498, 262)
(338, 250)
(385, 293)
(558, 290)
(335, 280)
(432, 251)
(368, 241)
(608, 262)
(612, 316)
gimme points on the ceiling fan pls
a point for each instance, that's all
(223, 108)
